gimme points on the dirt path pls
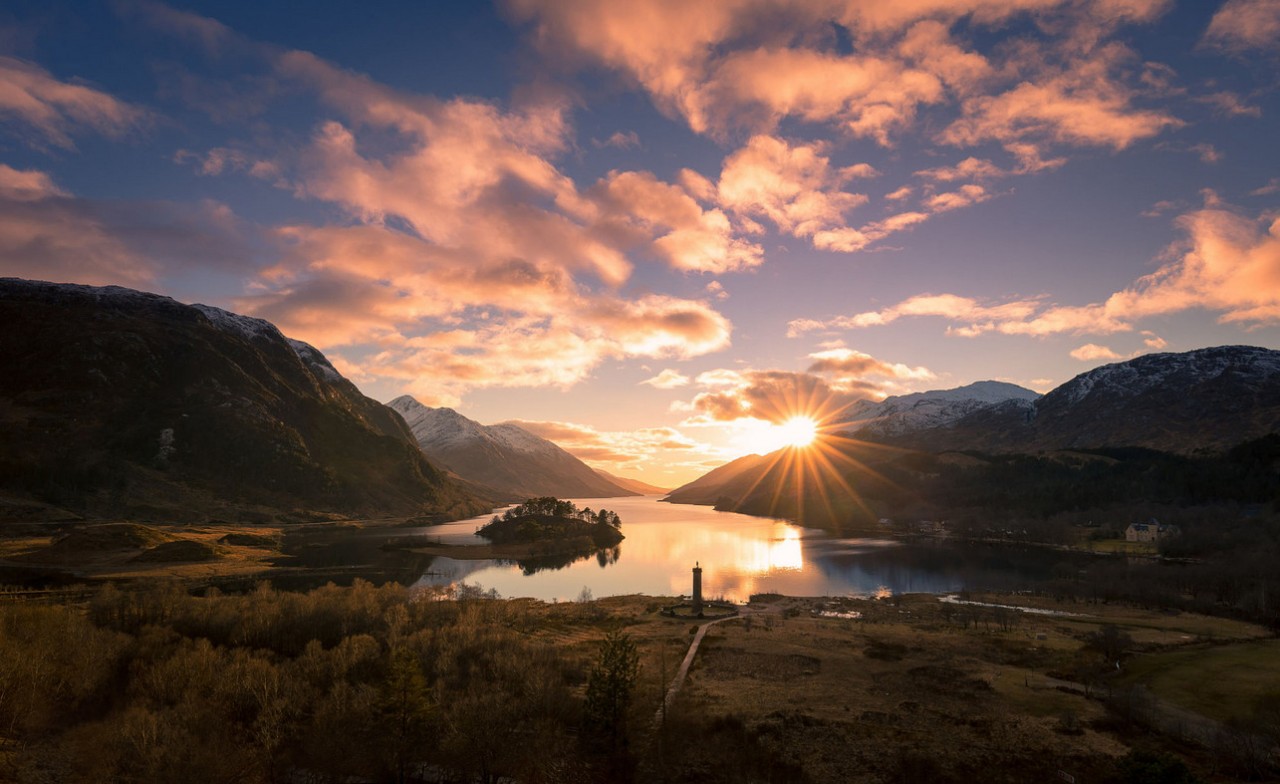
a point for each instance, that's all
(678, 680)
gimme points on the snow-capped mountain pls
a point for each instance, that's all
(1201, 401)
(505, 458)
(1212, 398)
(139, 405)
(903, 414)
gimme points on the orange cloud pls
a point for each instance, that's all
(694, 240)
(847, 363)
(1228, 263)
(667, 379)
(749, 64)
(469, 259)
(51, 110)
(29, 185)
(837, 378)
(795, 187)
(1091, 351)
(47, 233)
(444, 322)
(1241, 25)
(621, 450)
(968, 169)
(1082, 104)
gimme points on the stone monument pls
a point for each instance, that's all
(697, 589)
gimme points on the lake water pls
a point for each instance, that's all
(741, 555)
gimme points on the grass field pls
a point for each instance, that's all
(1219, 681)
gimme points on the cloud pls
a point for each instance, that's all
(1207, 152)
(1091, 351)
(464, 257)
(968, 169)
(949, 306)
(621, 140)
(1080, 104)
(441, 325)
(795, 187)
(837, 378)
(1159, 208)
(1243, 25)
(48, 111)
(847, 363)
(667, 379)
(1230, 104)
(48, 233)
(1272, 186)
(775, 396)
(1227, 263)
(209, 34)
(23, 186)
(618, 449)
(678, 229)
(224, 160)
(748, 65)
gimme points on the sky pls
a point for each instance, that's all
(654, 231)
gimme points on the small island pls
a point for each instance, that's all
(541, 533)
(552, 520)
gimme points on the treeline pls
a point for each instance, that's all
(547, 506)
(875, 483)
(1044, 485)
(339, 684)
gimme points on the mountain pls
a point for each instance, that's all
(731, 480)
(515, 463)
(903, 414)
(634, 485)
(122, 403)
(1209, 399)
(1160, 421)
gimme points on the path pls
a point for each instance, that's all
(678, 681)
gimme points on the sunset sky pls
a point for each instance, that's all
(644, 228)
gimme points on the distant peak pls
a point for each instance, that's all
(405, 403)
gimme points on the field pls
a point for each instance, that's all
(991, 687)
(1223, 682)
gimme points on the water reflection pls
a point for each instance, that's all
(740, 555)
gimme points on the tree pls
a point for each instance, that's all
(1110, 641)
(406, 708)
(610, 685)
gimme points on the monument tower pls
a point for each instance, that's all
(697, 589)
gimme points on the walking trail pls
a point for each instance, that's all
(678, 680)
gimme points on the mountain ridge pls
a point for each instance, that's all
(131, 403)
(1205, 401)
(514, 463)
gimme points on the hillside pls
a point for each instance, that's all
(1210, 399)
(116, 402)
(515, 463)
(1176, 429)
(634, 485)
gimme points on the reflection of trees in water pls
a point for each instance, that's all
(606, 556)
(609, 555)
(544, 563)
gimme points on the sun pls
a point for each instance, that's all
(797, 432)
(762, 438)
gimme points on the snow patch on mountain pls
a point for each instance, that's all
(437, 427)
(936, 408)
(1135, 376)
(246, 327)
(515, 437)
(312, 358)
